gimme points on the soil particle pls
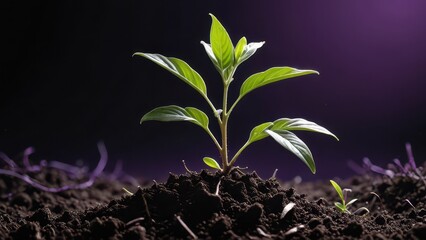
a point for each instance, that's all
(30, 231)
(314, 222)
(419, 231)
(380, 220)
(219, 225)
(135, 233)
(106, 227)
(353, 229)
(318, 232)
(22, 199)
(275, 203)
(251, 216)
(43, 216)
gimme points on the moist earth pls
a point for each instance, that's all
(207, 205)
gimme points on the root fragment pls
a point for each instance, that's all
(274, 174)
(190, 232)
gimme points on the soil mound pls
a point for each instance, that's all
(210, 206)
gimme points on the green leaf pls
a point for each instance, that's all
(258, 132)
(180, 69)
(221, 44)
(239, 48)
(270, 76)
(210, 53)
(174, 113)
(340, 206)
(211, 163)
(338, 189)
(295, 145)
(249, 50)
(301, 124)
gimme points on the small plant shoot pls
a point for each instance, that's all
(226, 58)
(344, 204)
(343, 194)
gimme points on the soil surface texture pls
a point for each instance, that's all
(210, 206)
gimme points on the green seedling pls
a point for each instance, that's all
(343, 194)
(226, 58)
(343, 205)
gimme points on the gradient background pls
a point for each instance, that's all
(68, 80)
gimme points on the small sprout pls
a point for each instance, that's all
(361, 211)
(190, 232)
(408, 201)
(287, 209)
(294, 230)
(274, 175)
(135, 221)
(343, 195)
(375, 196)
(262, 233)
(186, 168)
(127, 191)
(226, 58)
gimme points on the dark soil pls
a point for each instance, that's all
(243, 207)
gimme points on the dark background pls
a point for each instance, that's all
(68, 80)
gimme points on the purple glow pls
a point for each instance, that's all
(29, 168)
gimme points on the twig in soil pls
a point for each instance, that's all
(373, 201)
(135, 221)
(287, 209)
(187, 169)
(127, 191)
(262, 233)
(186, 227)
(361, 210)
(146, 207)
(294, 230)
(274, 175)
(408, 201)
(217, 188)
(238, 169)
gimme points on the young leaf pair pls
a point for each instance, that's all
(343, 195)
(226, 58)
